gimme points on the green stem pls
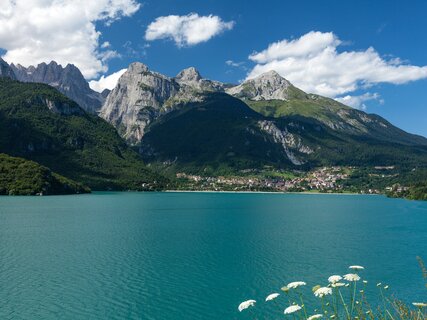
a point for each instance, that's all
(384, 302)
(345, 306)
(336, 301)
(419, 313)
(353, 298)
(391, 317)
(302, 304)
(323, 306)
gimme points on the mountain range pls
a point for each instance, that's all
(189, 120)
(186, 123)
(68, 80)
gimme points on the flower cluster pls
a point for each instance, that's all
(340, 299)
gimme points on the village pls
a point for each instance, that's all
(325, 179)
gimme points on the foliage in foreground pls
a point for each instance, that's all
(23, 177)
(344, 297)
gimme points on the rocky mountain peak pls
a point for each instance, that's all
(267, 86)
(137, 67)
(189, 75)
(141, 96)
(6, 71)
(270, 74)
(68, 80)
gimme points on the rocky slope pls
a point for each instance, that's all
(141, 96)
(275, 97)
(268, 86)
(222, 134)
(68, 80)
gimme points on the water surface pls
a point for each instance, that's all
(195, 255)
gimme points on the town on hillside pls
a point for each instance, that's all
(325, 179)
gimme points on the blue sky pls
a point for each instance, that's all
(393, 29)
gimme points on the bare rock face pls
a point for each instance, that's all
(141, 96)
(66, 109)
(291, 143)
(189, 75)
(191, 78)
(68, 80)
(6, 71)
(136, 100)
(267, 86)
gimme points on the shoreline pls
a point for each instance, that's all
(273, 192)
(197, 191)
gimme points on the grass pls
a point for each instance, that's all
(319, 108)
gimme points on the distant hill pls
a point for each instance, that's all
(23, 177)
(40, 124)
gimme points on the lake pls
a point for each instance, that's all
(196, 255)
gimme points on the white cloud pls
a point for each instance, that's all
(358, 102)
(106, 82)
(313, 63)
(234, 64)
(187, 30)
(105, 45)
(35, 31)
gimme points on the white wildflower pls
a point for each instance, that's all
(338, 284)
(420, 304)
(334, 279)
(292, 309)
(321, 292)
(284, 289)
(315, 316)
(296, 284)
(272, 296)
(356, 267)
(246, 304)
(351, 277)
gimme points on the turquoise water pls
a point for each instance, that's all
(196, 255)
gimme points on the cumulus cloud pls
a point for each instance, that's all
(35, 31)
(187, 30)
(106, 82)
(313, 63)
(358, 102)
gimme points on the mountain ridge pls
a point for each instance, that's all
(268, 94)
(68, 80)
(270, 122)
